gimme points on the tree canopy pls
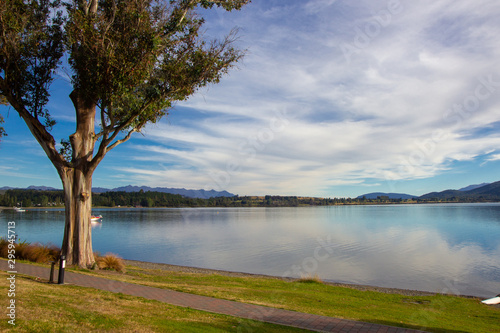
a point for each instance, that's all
(131, 59)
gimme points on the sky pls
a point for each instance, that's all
(334, 98)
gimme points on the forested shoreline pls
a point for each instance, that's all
(38, 198)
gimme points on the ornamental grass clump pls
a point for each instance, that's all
(35, 252)
(19, 248)
(41, 253)
(110, 261)
(311, 279)
(4, 247)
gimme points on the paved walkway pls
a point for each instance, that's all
(209, 304)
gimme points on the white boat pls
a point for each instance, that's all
(19, 210)
(95, 218)
(492, 301)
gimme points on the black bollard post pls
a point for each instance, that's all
(52, 264)
(62, 264)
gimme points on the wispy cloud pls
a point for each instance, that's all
(335, 93)
(494, 157)
(398, 108)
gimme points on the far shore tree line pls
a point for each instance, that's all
(148, 199)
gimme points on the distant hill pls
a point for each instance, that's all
(42, 188)
(201, 194)
(479, 192)
(5, 188)
(32, 187)
(375, 195)
(473, 187)
(486, 192)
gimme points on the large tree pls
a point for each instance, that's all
(129, 61)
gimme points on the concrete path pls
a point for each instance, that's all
(209, 304)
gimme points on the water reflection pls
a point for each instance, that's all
(439, 248)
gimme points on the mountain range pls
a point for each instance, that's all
(375, 195)
(484, 191)
(201, 194)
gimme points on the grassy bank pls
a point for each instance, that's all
(69, 305)
(436, 313)
(43, 307)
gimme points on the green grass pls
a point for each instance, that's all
(43, 307)
(50, 308)
(437, 313)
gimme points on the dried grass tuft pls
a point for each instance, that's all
(4, 247)
(110, 261)
(41, 253)
(311, 279)
(36, 252)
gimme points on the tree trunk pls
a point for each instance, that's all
(77, 241)
(77, 184)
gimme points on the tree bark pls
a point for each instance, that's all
(77, 185)
(77, 240)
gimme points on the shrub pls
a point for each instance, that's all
(311, 279)
(4, 247)
(33, 252)
(41, 253)
(21, 249)
(110, 261)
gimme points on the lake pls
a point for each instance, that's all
(449, 248)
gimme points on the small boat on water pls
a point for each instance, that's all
(19, 210)
(95, 218)
(492, 301)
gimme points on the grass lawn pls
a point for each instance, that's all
(43, 307)
(436, 313)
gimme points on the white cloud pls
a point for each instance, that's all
(299, 117)
(494, 157)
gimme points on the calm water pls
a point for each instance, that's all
(440, 248)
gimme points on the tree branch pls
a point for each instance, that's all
(126, 138)
(188, 6)
(93, 6)
(105, 146)
(39, 131)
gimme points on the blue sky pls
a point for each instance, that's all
(333, 99)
